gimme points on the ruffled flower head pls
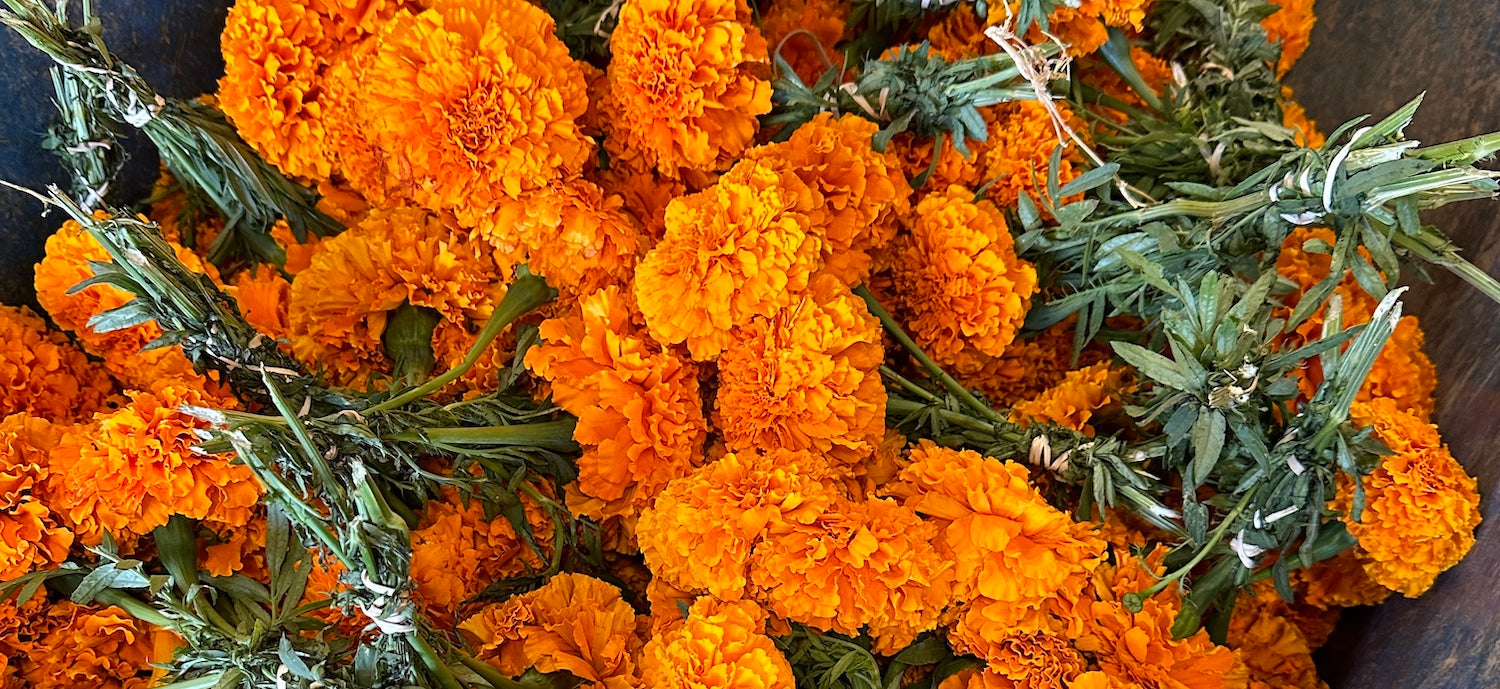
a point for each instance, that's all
(1421, 507)
(687, 80)
(1074, 400)
(457, 551)
(575, 624)
(1082, 26)
(740, 249)
(1274, 650)
(805, 34)
(1029, 366)
(32, 537)
(78, 646)
(806, 379)
(721, 645)
(264, 297)
(956, 280)
(474, 101)
(1021, 660)
(42, 373)
(699, 534)
(640, 417)
(572, 234)
(1294, 117)
(1291, 26)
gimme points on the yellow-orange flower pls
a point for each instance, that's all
(640, 417)
(871, 564)
(645, 195)
(806, 34)
(740, 249)
(263, 297)
(78, 646)
(1021, 660)
(1012, 551)
(571, 234)
(720, 646)
(457, 552)
(340, 304)
(472, 102)
(864, 191)
(574, 624)
(1072, 402)
(806, 379)
(133, 468)
(1291, 26)
(956, 280)
(686, 82)
(1015, 156)
(299, 255)
(42, 373)
(1082, 27)
(1421, 507)
(1273, 649)
(699, 534)
(31, 536)
(1030, 366)
(1341, 581)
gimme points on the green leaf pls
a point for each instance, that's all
(177, 548)
(1090, 180)
(1208, 444)
(1155, 367)
(130, 314)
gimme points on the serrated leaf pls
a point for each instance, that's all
(1155, 367)
(130, 314)
(1208, 445)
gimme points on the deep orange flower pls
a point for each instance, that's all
(175, 213)
(809, 53)
(299, 255)
(133, 468)
(1291, 26)
(864, 191)
(1082, 27)
(574, 624)
(572, 234)
(956, 280)
(1273, 649)
(1341, 581)
(1021, 660)
(31, 536)
(473, 102)
(720, 646)
(699, 534)
(645, 196)
(686, 82)
(1421, 507)
(457, 551)
(236, 548)
(1013, 159)
(42, 373)
(1029, 366)
(871, 564)
(740, 249)
(640, 417)
(806, 379)
(77, 646)
(1294, 117)
(1072, 402)
(263, 297)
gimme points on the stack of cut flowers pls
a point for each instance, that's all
(697, 343)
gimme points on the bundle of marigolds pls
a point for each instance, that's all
(698, 343)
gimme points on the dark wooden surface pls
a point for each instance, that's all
(1367, 56)
(1370, 56)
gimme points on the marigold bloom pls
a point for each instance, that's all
(474, 102)
(339, 305)
(808, 53)
(1008, 545)
(77, 646)
(31, 536)
(645, 195)
(1094, 71)
(42, 373)
(1421, 507)
(806, 379)
(1029, 366)
(1273, 649)
(1291, 26)
(721, 645)
(571, 234)
(1014, 157)
(865, 564)
(1022, 660)
(1072, 402)
(179, 218)
(1341, 581)
(574, 624)
(236, 548)
(134, 468)
(699, 534)
(263, 297)
(299, 255)
(457, 552)
(864, 191)
(1082, 27)
(640, 417)
(1294, 117)
(740, 249)
(956, 280)
(686, 82)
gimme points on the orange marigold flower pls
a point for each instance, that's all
(863, 190)
(339, 305)
(236, 548)
(263, 297)
(871, 564)
(806, 34)
(1138, 649)
(31, 536)
(42, 373)
(134, 468)
(1421, 507)
(474, 102)
(1022, 660)
(1291, 26)
(1074, 400)
(574, 624)
(1029, 366)
(956, 280)
(1095, 72)
(640, 417)
(740, 249)
(1014, 157)
(721, 645)
(299, 255)
(1009, 547)
(1082, 27)
(571, 234)
(77, 646)
(686, 82)
(699, 534)
(645, 195)
(180, 219)
(806, 379)
(1341, 581)
(457, 551)
(1273, 649)
(1294, 117)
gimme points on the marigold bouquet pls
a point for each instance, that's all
(705, 343)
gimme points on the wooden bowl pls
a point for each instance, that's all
(1367, 56)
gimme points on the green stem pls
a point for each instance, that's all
(435, 666)
(1434, 249)
(1213, 210)
(898, 407)
(909, 386)
(937, 372)
(1218, 535)
(525, 294)
(1462, 152)
(552, 435)
(488, 672)
(229, 678)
